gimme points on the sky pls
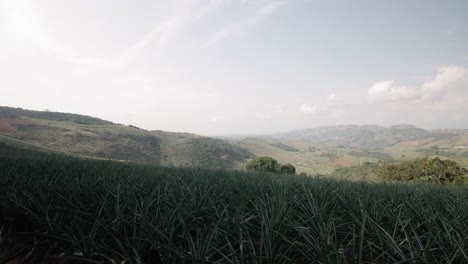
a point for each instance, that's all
(217, 67)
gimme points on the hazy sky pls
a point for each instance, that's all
(239, 66)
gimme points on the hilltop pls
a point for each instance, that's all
(85, 136)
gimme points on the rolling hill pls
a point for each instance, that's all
(353, 136)
(23, 131)
(322, 150)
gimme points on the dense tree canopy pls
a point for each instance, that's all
(287, 169)
(268, 164)
(265, 164)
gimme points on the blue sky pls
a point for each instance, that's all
(238, 66)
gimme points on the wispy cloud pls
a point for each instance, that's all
(158, 38)
(184, 13)
(23, 20)
(209, 7)
(265, 10)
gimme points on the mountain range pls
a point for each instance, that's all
(372, 136)
(316, 150)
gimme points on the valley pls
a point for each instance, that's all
(317, 151)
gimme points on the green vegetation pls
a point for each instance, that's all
(83, 136)
(323, 150)
(371, 154)
(433, 170)
(426, 169)
(312, 151)
(268, 164)
(287, 169)
(364, 171)
(208, 153)
(283, 146)
(436, 151)
(89, 211)
(264, 164)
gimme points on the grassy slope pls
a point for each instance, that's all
(85, 136)
(99, 210)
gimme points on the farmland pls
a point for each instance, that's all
(69, 210)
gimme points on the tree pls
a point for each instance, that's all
(287, 169)
(265, 164)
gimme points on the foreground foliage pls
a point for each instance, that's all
(79, 211)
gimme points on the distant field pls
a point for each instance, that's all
(56, 210)
(325, 158)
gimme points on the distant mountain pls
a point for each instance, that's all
(23, 131)
(354, 136)
(442, 131)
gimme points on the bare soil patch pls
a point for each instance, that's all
(7, 125)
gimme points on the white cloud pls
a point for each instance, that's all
(265, 10)
(446, 77)
(331, 99)
(386, 91)
(308, 109)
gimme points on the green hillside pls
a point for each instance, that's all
(207, 153)
(84, 136)
(354, 136)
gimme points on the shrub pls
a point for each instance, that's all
(265, 164)
(287, 169)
